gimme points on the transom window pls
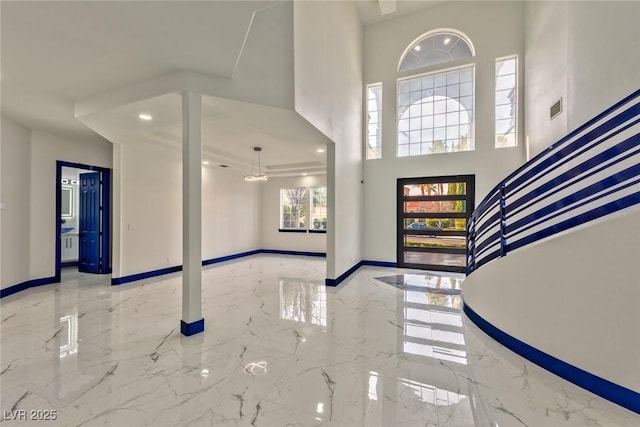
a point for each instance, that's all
(436, 48)
(435, 112)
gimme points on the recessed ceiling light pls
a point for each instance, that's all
(320, 150)
(417, 48)
(447, 41)
(146, 117)
(304, 174)
(206, 162)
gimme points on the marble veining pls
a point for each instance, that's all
(279, 349)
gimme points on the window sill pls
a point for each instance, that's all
(318, 231)
(292, 230)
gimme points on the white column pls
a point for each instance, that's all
(192, 320)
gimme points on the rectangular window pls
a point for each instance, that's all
(435, 112)
(293, 208)
(506, 102)
(303, 209)
(374, 121)
(319, 208)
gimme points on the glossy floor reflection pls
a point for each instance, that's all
(279, 349)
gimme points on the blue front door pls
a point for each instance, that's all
(89, 229)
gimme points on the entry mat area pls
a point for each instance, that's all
(431, 283)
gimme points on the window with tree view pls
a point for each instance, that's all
(293, 208)
(303, 208)
(506, 102)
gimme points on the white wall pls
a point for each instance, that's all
(46, 149)
(570, 307)
(148, 186)
(15, 157)
(586, 52)
(270, 213)
(328, 93)
(384, 44)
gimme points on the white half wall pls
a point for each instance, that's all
(328, 43)
(585, 52)
(15, 167)
(565, 296)
(274, 239)
(148, 187)
(385, 43)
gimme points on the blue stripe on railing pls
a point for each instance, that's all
(559, 206)
(596, 213)
(571, 135)
(575, 145)
(576, 171)
(524, 192)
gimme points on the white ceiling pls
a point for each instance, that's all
(56, 53)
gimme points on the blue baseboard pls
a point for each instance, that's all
(193, 328)
(69, 264)
(299, 253)
(606, 389)
(343, 276)
(229, 257)
(26, 285)
(134, 277)
(349, 272)
(380, 263)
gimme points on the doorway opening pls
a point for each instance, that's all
(83, 218)
(432, 220)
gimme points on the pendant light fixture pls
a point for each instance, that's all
(259, 176)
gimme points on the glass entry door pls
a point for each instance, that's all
(432, 220)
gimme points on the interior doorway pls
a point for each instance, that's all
(83, 218)
(432, 219)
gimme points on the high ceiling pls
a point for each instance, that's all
(55, 54)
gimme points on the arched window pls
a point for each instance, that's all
(436, 47)
(435, 109)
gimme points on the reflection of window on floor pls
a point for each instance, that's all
(433, 395)
(70, 323)
(303, 301)
(430, 330)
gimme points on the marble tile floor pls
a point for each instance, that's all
(279, 349)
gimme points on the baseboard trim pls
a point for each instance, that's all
(68, 264)
(606, 389)
(297, 253)
(26, 285)
(229, 257)
(146, 275)
(188, 329)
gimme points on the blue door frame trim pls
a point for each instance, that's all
(606, 389)
(105, 264)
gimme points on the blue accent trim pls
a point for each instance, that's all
(606, 389)
(134, 277)
(379, 263)
(299, 253)
(343, 276)
(292, 230)
(318, 231)
(26, 285)
(193, 328)
(229, 257)
(69, 264)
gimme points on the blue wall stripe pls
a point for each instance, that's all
(608, 390)
(26, 285)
